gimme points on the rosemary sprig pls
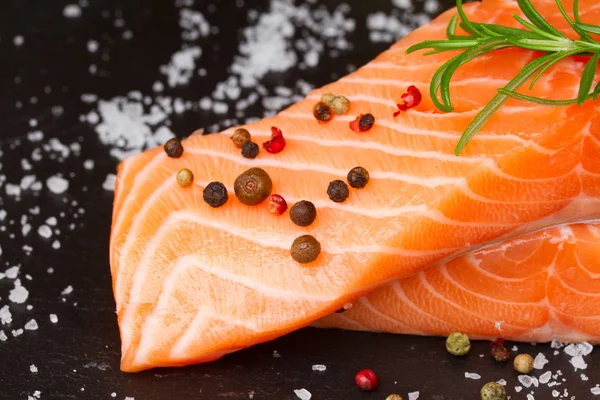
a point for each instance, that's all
(537, 34)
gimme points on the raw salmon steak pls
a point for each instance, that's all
(193, 283)
(541, 286)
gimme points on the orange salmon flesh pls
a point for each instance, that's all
(499, 241)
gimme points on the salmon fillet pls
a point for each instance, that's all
(538, 287)
(193, 283)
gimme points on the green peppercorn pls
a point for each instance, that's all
(394, 397)
(366, 122)
(240, 136)
(358, 177)
(185, 177)
(303, 213)
(322, 112)
(249, 150)
(493, 391)
(458, 344)
(253, 186)
(340, 105)
(338, 191)
(173, 148)
(305, 249)
(215, 194)
(327, 99)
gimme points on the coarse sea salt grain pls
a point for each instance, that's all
(19, 294)
(53, 318)
(17, 332)
(595, 390)
(545, 377)
(67, 290)
(413, 395)
(31, 325)
(45, 231)
(72, 11)
(5, 315)
(182, 66)
(57, 184)
(303, 394)
(3, 336)
(578, 363)
(472, 375)
(540, 361)
(109, 182)
(319, 367)
(12, 272)
(527, 381)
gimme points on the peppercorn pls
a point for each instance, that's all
(322, 112)
(338, 191)
(340, 105)
(185, 177)
(240, 136)
(394, 397)
(253, 186)
(215, 194)
(410, 99)
(277, 142)
(358, 177)
(303, 213)
(458, 344)
(173, 148)
(366, 122)
(493, 391)
(249, 150)
(523, 363)
(499, 351)
(367, 380)
(277, 204)
(305, 249)
(328, 98)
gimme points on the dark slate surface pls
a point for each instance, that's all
(78, 358)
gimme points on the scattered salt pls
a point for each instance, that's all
(31, 325)
(545, 377)
(319, 367)
(18, 40)
(12, 272)
(67, 290)
(19, 294)
(109, 182)
(3, 336)
(276, 354)
(55, 246)
(578, 363)
(33, 368)
(182, 66)
(471, 375)
(92, 46)
(540, 361)
(413, 395)
(527, 380)
(5, 315)
(12, 190)
(502, 382)
(72, 11)
(45, 231)
(303, 394)
(595, 390)
(57, 184)
(53, 318)
(17, 332)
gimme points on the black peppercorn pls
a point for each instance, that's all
(358, 177)
(366, 122)
(173, 148)
(215, 194)
(249, 150)
(303, 213)
(305, 249)
(322, 112)
(253, 186)
(338, 191)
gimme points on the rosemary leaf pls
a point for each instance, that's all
(587, 78)
(537, 100)
(537, 19)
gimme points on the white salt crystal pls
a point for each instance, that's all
(303, 394)
(88, 164)
(530, 396)
(18, 295)
(182, 66)
(540, 361)
(52, 221)
(129, 398)
(26, 229)
(595, 391)
(5, 315)
(158, 86)
(113, 394)
(545, 377)
(413, 395)
(72, 11)
(471, 375)
(18, 40)
(527, 380)
(57, 184)
(31, 325)
(3, 336)
(17, 332)
(92, 46)
(556, 344)
(12, 272)
(276, 354)
(53, 318)
(109, 182)
(33, 368)
(45, 231)
(584, 377)
(502, 382)
(578, 362)
(12, 190)
(67, 290)
(555, 393)
(55, 246)
(518, 388)
(319, 367)
(35, 136)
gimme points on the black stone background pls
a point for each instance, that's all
(55, 56)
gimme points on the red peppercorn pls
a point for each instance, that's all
(362, 123)
(411, 98)
(366, 380)
(499, 351)
(277, 142)
(277, 204)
